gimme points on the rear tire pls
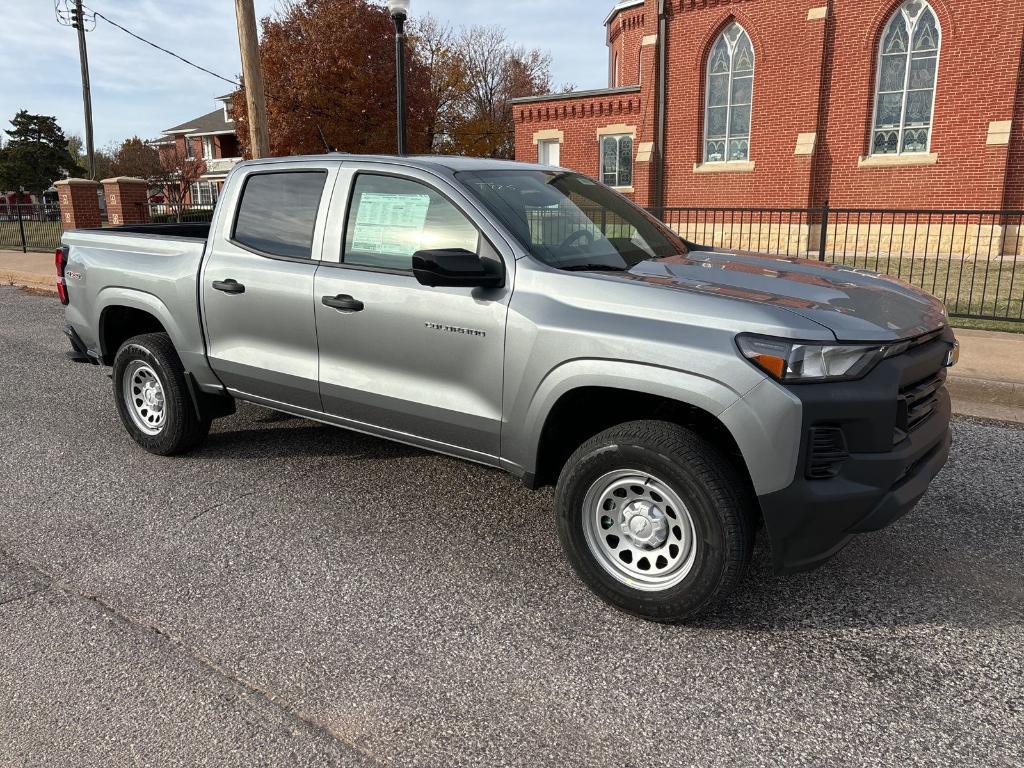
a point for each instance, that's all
(152, 396)
(656, 520)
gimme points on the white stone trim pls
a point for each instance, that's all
(649, 40)
(552, 134)
(897, 161)
(644, 151)
(999, 133)
(619, 129)
(729, 167)
(805, 143)
(817, 14)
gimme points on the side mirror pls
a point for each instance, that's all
(456, 267)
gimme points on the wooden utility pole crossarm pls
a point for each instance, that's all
(252, 75)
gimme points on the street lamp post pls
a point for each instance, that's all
(399, 10)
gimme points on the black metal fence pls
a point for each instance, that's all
(162, 213)
(29, 226)
(972, 260)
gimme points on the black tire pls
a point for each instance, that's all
(181, 429)
(718, 499)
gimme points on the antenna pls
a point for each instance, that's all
(323, 138)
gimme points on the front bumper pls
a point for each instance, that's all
(886, 472)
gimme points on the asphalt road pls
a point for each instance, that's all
(293, 594)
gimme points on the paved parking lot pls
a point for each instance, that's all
(293, 594)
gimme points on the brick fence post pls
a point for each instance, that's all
(79, 203)
(127, 200)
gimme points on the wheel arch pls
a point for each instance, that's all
(584, 397)
(124, 313)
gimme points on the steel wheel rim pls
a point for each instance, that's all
(625, 515)
(144, 397)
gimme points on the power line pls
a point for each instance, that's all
(99, 15)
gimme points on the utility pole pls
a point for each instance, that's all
(252, 77)
(78, 22)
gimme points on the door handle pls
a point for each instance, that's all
(343, 303)
(228, 286)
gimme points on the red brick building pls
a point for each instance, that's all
(780, 103)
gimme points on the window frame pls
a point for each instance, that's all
(350, 197)
(190, 151)
(548, 143)
(208, 139)
(203, 184)
(240, 196)
(632, 159)
(898, 13)
(729, 99)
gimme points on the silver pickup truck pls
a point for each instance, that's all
(680, 398)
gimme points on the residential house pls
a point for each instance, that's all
(212, 138)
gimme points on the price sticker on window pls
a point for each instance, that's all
(390, 224)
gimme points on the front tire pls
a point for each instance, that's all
(655, 519)
(152, 396)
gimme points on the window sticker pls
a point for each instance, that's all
(390, 224)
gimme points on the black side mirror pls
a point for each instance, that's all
(456, 267)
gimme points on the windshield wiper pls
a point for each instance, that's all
(593, 268)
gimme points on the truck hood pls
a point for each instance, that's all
(855, 304)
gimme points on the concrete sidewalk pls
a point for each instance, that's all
(988, 382)
(31, 270)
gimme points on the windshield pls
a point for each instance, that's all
(571, 222)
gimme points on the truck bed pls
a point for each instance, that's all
(150, 267)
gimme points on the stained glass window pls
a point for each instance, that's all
(908, 67)
(730, 93)
(617, 161)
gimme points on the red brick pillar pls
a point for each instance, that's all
(79, 203)
(127, 200)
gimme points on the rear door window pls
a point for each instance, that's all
(277, 213)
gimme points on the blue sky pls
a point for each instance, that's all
(138, 90)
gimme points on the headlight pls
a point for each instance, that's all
(795, 362)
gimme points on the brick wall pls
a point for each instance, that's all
(579, 120)
(624, 36)
(812, 106)
(979, 67)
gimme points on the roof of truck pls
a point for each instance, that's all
(428, 162)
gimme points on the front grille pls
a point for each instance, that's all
(826, 453)
(916, 403)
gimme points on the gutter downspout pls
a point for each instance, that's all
(659, 198)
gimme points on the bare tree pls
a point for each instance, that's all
(176, 175)
(438, 49)
(497, 72)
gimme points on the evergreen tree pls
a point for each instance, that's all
(35, 155)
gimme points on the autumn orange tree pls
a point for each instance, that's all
(330, 65)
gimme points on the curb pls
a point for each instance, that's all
(31, 280)
(986, 398)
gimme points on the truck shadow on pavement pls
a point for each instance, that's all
(953, 561)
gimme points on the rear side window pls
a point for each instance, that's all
(390, 219)
(277, 213)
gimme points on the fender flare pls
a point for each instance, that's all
(685, 387)
(133, 298)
